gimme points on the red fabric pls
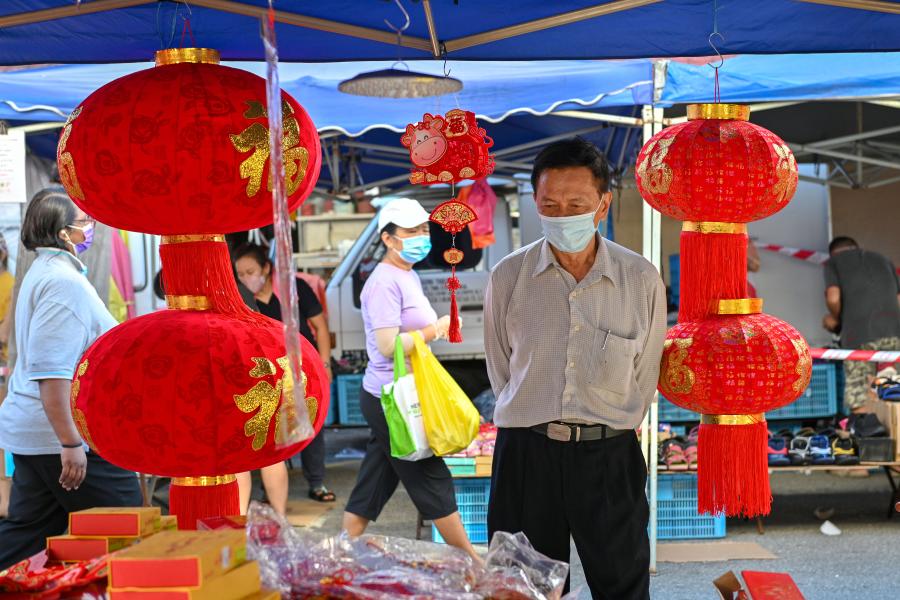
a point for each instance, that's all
(161, 151)
(483, 200)
(448, 149)
(716, 170)
(734, 365)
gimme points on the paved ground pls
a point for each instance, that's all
(860, 563)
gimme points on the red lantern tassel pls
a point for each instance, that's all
(193, 498)
(713, 267)
(732, 469)
(455, 334)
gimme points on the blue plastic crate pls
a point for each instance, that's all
(670, 413)
(332, 417)
(472, 500)
(348, 389)
(675, 277)
(8, 465)
(818, 400)
(676, 511)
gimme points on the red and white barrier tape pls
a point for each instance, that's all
(878, 356)
(800, 254)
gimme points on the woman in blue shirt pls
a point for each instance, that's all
(58, 316)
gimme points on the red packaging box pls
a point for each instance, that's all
(771, 586)
(70, 548)
(216, 523)
(236, 584)
(117, 522)
(178, 559)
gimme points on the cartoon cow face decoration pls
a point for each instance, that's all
(448, 149)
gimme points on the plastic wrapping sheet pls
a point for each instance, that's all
(303, 564)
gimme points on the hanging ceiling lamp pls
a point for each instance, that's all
(400, 83)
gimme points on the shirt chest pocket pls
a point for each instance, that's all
(612, 361)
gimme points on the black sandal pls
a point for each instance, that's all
(322, 494)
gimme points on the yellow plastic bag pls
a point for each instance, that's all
(451, 420)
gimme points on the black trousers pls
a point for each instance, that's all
(593, 491)
(39, 507)
(312, 458)
(428, 481)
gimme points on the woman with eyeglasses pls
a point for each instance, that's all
(58, 316)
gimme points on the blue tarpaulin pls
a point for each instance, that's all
(667, 28)
(493, 90)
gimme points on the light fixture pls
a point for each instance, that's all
(399, 83)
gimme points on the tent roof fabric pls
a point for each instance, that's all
(629, 29)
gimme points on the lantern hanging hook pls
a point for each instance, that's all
(716, 50)
(399, 31)
(715, 33)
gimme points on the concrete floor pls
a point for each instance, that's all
(860, 563)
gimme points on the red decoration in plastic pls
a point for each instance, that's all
(716, 170)
(183, 148)
(448, 149)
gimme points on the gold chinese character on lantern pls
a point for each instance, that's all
(255, 138)
(266, 399)
(67, 174)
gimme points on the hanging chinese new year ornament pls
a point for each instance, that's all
(200, 391)
(725, 359)
(448, 149)
(453, 216)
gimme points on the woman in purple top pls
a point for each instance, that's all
(393, 304)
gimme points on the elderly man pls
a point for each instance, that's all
(574, 329)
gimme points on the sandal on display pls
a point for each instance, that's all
(799, 452)
(844, 451)
(673, 455)
(322, 494)
(690, 454)
(778, 452)
(820, 450)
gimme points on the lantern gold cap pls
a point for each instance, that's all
(174, 56)
(740, 306)
(725, 112)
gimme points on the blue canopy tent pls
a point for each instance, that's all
(97, 31)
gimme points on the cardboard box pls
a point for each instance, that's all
(168, 523)
(483, 466)
(889, 414)
(67, 548)
(216, 523)
(237, 584)
(118, 522)
(178, 559)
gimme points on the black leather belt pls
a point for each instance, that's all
(572, 432)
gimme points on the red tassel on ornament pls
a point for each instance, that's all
(455, 334)
(713, 267)
(732, 466)
(192, 498)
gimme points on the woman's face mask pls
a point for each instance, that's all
(251, 274)
(415, 249)
(87, 230)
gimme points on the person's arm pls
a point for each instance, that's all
(832, 320)
(55, 398)
(647, 363)
(386, 336)
(833, 301)
(753, 262)
(497, 350)
(323, 340)
(56, 340)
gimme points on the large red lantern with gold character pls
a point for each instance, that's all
(203, 390)
(724, 359)
(184, 148)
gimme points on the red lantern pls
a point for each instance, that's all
(183, 148)
(716, 167)
(717, 172)
(197, 392)
(448, 149)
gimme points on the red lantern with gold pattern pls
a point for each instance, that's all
(203, 390)
(717, 172)
(184, 148)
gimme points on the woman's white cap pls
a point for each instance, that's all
(402, 212)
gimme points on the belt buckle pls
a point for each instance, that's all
(559, 432)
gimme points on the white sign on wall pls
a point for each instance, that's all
(12, 167)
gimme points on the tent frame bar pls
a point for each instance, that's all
(872, 5)
(432, 29)
(607, 118)
(801, 149)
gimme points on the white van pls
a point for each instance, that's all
(465, 360)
